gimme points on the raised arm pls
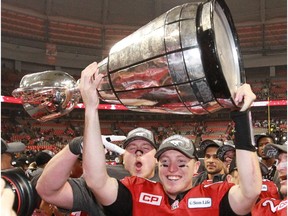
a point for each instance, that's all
(243, 196)
(94, 163)
(52, 185)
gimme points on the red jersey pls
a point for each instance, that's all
(270, 206)
(149, 197)
(269, 189)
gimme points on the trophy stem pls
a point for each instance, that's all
(69, 94)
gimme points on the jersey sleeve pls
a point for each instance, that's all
(225, 208)
(123, 204)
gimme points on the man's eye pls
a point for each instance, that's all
(164, 165)
(182, 165)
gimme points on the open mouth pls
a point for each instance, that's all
(138, 165)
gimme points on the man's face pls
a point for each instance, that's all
(228, 157)
(139, 159)
(261, 144)
(212, 163)
(176, 172)
(282, 170)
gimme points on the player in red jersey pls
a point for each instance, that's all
(72, 194)
(271, 206)
(177, 163)
(269, 188)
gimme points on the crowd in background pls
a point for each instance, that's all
(54, 135)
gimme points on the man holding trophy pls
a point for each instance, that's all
(186, 61)
(177, 163)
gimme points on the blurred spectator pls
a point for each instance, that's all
(22, 162)
(270, 162)
(270, 205)
(30, 172)
(7, 152)
(226, 154)
(214, 168)
(41, 159)
(269, 189)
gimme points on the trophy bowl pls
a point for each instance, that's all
(48, 95)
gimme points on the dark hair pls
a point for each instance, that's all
(42, 158)
(259, 137)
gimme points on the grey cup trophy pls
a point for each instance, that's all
(186, 61)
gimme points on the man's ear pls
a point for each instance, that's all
(197, 165)
(229, 178)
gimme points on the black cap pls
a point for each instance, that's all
(272, 150)
(179, 143)
(208, 143)
(13, 147)
(140, 134)
(222, 151)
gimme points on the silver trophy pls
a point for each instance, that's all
(186, 61)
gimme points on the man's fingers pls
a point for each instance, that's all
(2, 185)
(98, 79)
(245, 107)
(89, 74)
(7, 201)
(244, 95)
